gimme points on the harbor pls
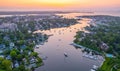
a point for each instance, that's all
(61, 56)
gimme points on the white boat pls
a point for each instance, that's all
(95, 67)
(92, 70)
(90, 56)
(37, 46)
(65, 54)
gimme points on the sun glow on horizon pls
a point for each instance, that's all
(58, 4)
(56, 1)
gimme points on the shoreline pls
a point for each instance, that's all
(23, 37)
(99, 37)
(77, 45)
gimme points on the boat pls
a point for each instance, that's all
(90, 56)
(95, 67)
(37, 46)
(41, 43)
(92, 70)
(50, 35)
(44, 57)
(59, 39)
(65, 54)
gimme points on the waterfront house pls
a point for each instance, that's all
(80, 39)
(104, 46)
(32, 60)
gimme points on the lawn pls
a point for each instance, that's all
(107, 65)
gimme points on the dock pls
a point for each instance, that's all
(74, 44)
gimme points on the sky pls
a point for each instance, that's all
(59, 4)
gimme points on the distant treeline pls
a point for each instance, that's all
(37, 12)
(29, 12)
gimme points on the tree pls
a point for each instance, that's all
(7, 65)
(39, 60)
(6, 52)
(13, 54)
(35, 54)
(22, 68)
(19, 57)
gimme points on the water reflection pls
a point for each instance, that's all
(58, 46)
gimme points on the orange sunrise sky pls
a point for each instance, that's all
(58, 4)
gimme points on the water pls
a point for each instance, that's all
(71, 15)
(58, 44)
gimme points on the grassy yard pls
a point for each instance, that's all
(107, 65)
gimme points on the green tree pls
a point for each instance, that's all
(7, 65)
(35, 54)
(13, 54)
(19, 57)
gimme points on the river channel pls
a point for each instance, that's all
(53, 51)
